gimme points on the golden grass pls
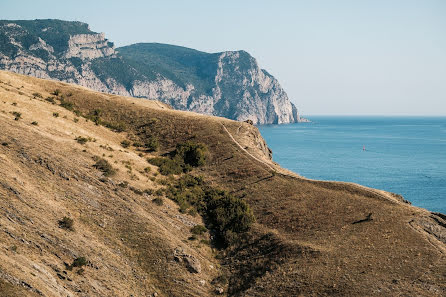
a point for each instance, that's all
(304, 241)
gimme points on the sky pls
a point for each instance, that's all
(369, 57)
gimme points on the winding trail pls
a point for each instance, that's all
(431, 238)
(285, 172)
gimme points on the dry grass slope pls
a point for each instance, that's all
(303, 243)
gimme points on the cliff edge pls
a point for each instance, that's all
(228, 84)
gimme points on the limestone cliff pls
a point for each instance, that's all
(228, 84)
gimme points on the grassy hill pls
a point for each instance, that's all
(180, 64)
(85, 212)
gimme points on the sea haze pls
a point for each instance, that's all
(404, 155)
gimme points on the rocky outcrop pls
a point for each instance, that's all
(89, 46)
(229, 84)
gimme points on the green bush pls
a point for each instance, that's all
(185, 156)
(37, 95)
(34, 123)
(191, 153)
(125, 143)
(136, 191)
(66, 104)
(17, 115)
(151, 144)
(82, 140)
(79, 262)
(66, 223)
(51, 100)
(198, 229)
(56, 92)
(94, 116)
(115, 126)
(55, 114)
(104, 166)
(123, 184)
(227, 216)
(166, 166)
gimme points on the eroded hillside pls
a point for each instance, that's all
(310, 238)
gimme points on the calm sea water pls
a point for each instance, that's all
(404, 155)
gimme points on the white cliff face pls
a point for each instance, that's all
(41, 44)
(240, 91)
(258, 96)
(89, 46)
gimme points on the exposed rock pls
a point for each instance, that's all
(228, 84)
(192, 264)
(219, 291)
(89, 46)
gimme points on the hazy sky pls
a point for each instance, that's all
(332, 57)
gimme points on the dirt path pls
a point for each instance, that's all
(282, 171)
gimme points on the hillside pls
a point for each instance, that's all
(229, 84)
(309, 238)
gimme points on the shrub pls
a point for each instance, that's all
(159, 192)
(56, 92)
(67, 105)
(115, 126)
(17, 115)
(123, 184)
(191, 153)
(125, 143)
(158, 201)
(166, 165)
(66, 223)
(136, 191)
(37, 95)
(227, 216)
(198, 229)
(95, 116)
(82, 140)
(51, 100)
(151, 144)
(104, 166)
(185, 156)
(148, 191)
(79, 262)
(55, 114)
(34, 123)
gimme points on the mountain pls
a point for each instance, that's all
(103, 195)
(228, 84)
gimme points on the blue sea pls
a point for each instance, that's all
(404, 155)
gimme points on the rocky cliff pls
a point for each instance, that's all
(228, 84)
